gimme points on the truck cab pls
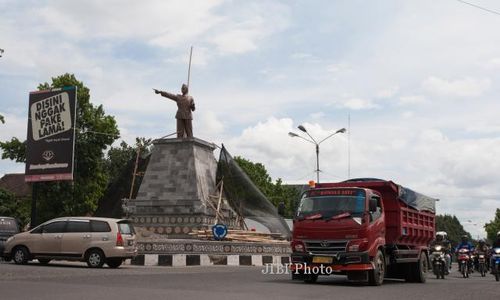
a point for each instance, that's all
(342, 229)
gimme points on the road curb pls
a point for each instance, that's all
(183, 260)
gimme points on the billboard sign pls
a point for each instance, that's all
(50, 143)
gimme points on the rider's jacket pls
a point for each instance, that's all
(466, 245)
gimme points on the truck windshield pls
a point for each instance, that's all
(330, 206)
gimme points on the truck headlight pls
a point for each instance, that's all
(357, 245)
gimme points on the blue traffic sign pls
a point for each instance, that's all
(219, 231)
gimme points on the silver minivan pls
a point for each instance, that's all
(92, 240)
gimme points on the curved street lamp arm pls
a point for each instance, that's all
(338, 131)
(291, 134)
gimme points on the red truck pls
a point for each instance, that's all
(368, 229)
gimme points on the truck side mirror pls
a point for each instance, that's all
(372, 204)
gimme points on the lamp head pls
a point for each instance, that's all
(342, 130)
(302, 128)
(291, 134)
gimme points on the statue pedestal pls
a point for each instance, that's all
(173, 197)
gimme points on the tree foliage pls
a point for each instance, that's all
(452, 226)
(95, 132)
(493, 226)
(276, 192)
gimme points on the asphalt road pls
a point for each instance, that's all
(76, 281)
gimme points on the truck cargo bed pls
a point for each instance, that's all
(405, 225)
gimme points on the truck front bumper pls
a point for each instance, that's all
(343, 261)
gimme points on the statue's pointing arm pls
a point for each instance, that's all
(167, 95)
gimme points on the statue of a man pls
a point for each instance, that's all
(185, 105)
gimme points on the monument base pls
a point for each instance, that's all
(184, 252)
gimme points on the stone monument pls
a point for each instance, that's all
(178, 190)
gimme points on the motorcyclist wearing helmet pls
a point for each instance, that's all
(482, 248)
(442, 240)
(465, 244)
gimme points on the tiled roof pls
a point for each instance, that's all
(15, 184)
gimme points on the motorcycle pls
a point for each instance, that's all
(495, 267)
(438, 261)
(481, 261)
(464, 262)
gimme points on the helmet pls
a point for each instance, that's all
(465, 238)
(441, 235)
(481, 242)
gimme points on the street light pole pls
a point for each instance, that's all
(317, 163)
(313, 141)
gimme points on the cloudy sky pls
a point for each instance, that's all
(419, 80)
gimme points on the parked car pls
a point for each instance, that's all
(8, 227)
(93, 240)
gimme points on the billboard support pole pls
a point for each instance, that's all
(34, 193)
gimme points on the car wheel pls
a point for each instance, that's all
(114, 262)
(44, 261)
(95, 258)
(20, 255)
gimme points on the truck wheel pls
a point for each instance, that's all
(376, 276)
(417, 272)
(311, 278)
(421, 269)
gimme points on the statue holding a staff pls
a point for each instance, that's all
(185, 104)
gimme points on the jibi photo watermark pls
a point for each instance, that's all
(302, 268)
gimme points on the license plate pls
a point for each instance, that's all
(322, 260)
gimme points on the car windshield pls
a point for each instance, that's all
(8, 225)
(332, 205)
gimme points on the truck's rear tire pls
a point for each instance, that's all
(417, 272)
(376, 276)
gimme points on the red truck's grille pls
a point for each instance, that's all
(326, 246)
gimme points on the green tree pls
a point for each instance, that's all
(493, 227)
(95, 132)
(275, 192)
(452, 226)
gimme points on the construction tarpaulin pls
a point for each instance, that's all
(245, 198)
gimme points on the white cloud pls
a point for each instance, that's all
(358, 104)
(468, 87)
(387, 92)
(411, 100)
